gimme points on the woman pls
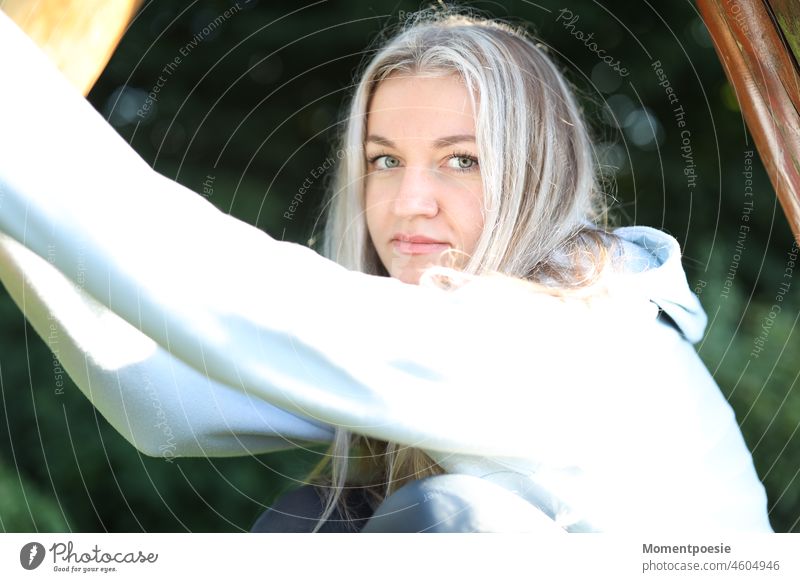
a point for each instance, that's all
(544, 364)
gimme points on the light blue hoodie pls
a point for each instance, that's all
(599, 412)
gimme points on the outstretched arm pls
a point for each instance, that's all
(491, 368)
(157, 402)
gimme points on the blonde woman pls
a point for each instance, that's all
(485, 356)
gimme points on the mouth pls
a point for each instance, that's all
(418, 245)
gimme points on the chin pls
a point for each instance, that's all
(406, 275)
(412, 278)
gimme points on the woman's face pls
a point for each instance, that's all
(423, 187)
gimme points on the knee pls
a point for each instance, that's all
(457, 503)
(293, 512)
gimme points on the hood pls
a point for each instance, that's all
(654, 257)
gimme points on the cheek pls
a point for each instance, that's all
(374, 212)
(473, 220)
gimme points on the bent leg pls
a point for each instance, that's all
(457, 503)
(299, 510)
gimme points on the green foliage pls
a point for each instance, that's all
(23, 508)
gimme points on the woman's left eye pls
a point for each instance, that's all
(462, 163)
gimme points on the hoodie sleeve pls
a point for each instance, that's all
(487, 369)
(158, 403)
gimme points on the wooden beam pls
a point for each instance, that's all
(763, 72)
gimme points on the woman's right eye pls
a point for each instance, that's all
(384, 162)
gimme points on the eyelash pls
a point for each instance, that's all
(453, 155)
(467, 156)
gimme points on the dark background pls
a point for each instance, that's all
(253, 109)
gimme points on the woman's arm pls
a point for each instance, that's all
(487, 369)
(162, 406)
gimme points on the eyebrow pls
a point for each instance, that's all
(438, 143)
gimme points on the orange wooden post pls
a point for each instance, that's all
(78, 35)
(760, 65)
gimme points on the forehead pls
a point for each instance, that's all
(407, 106)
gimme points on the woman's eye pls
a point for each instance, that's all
(462, 163)
(385, 162)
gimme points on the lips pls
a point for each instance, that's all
(417, 244)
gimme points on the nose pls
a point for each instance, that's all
(416, 195)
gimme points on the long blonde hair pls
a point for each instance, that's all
(541, 194)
